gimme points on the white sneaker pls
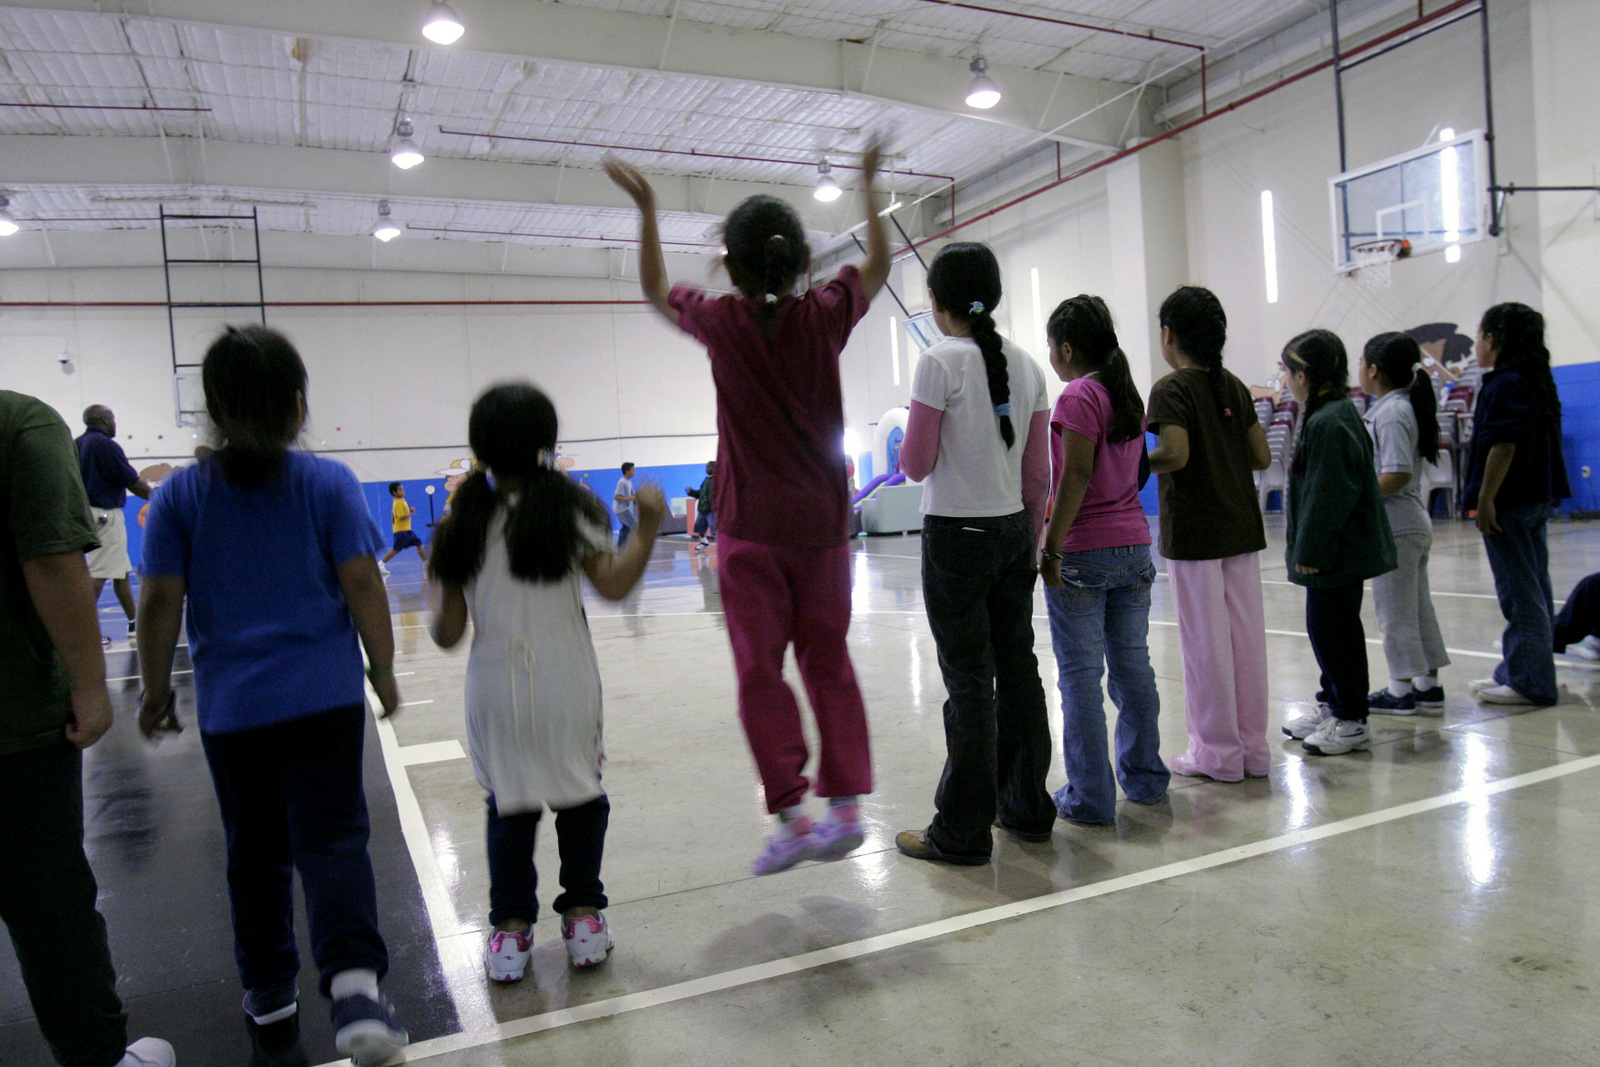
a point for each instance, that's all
(149, 1052)
(1505, 696)
(1309, 723)
(1586, 650)
(1478, 685)
(1338, 736)
(506, 955)
(588, 939)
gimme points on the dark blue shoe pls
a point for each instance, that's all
(366, 1030)
(1429, 698)
(1384, 702)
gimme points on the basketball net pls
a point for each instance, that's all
(1374, 267)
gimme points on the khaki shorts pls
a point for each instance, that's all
(110, 560)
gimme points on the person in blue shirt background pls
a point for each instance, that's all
(108, 478)
(274, 550)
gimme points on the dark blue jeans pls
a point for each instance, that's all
(513, 882)
(1520, 560)
(47, 901)
(977, 584)
(1339, 641)
(292, 800)
(1101, 619)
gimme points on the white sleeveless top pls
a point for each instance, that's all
(533, 683)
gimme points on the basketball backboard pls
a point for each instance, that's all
(1432, 197)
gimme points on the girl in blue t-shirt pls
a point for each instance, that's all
(273, 549)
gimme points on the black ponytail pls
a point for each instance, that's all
(767, 251)
(255, 387)
(1518, 330)
(512, 431)
(1200, 328)
(1398, 358)
(1085, 324)
(965, 280)
(1321, 357)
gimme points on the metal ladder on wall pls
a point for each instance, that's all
(188, 397)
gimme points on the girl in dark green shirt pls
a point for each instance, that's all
(1338, 537)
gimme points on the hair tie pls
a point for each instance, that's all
(1416, 368)
(772, 298)
(1002, 410)
(976, 309)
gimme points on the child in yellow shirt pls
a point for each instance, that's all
(403, 537)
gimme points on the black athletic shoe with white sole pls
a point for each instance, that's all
(366, 1030)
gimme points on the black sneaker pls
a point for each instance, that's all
(276, 1044)
(1383, 702)
(366, 1030)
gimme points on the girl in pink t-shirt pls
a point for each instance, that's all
(1097, 570)
(782, 497)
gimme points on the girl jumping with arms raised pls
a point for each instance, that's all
(781, 498)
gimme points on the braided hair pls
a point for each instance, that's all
(965, 279)
(1200, 327)
(1518, 330)
(767, 251)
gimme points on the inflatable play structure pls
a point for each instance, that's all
(889, 504)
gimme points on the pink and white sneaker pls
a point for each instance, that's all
(506, 955)
(588, 939)
(839, 834)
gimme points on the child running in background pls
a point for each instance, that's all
(400, 522)
(705, 516)
(1097, 570)
(273, 549)
(782, 499)
(1211, 536)
(1338, 537)
(510, 556)
(984, 486)
(1514, 475)
(1405, 428)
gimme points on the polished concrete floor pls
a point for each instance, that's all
(1428, 901)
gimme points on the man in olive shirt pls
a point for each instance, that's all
(53, 704)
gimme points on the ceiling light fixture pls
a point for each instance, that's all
(984, 93)
(405, 154)
(8, 225)
(827, 189)
(386, 230)
(442, 26)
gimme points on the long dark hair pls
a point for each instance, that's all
(1518, 330)
(255, 386)
(512, 431)
(1321, 357)
(1084, 323)
(1200, 327)
(767, 250)
(1398, 358)
(965, 279)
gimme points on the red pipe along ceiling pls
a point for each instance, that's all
(1192, 123)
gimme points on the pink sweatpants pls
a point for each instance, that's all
(771, 596)
(1222, 632)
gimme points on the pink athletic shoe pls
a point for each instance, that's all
(837, 838)
(784, 850)
(506, 955)
(588, 939)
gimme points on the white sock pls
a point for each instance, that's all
(357, 981)
(1426, 681)
(1399, 686)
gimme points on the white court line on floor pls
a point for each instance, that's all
(762, 972)
(431, 752)
(135, 677)
(1431, 592)
(411, 704)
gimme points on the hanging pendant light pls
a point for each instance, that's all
(441, 26)
(405, 154)
(984, 93)
(827, 189)
(386, 230)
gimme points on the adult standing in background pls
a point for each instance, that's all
(622, 503)
(53, 705)
(108, 478)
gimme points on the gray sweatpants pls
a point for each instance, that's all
(1411, 639)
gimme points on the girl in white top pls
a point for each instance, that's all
(510, 555)
(984, 490)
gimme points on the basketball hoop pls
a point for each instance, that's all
(1374, 260)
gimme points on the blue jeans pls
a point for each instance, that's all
(1102, 618)
(1520, 560)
